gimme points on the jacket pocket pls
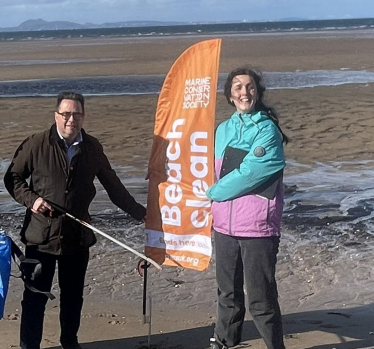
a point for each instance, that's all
(251, 215)
(38, 231)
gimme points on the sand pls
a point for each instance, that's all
(323, 123)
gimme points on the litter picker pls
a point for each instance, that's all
(146, 263)
(139, 254)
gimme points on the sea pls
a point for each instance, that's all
(195, 29)
(329, 204)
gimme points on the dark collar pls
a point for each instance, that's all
(54, 138)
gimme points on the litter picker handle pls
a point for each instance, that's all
(139, 254)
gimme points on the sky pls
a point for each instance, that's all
(14, 12)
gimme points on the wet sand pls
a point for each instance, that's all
(324, 124)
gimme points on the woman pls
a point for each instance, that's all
(247, 209)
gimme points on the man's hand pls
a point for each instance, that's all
(41, 206)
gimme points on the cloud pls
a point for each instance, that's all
(32, 3)
(161, 2)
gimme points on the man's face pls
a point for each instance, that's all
(70, 122)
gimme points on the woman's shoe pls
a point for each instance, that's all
(216, 345)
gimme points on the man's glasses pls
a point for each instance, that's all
(67, 115)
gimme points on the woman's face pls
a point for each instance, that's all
(243, 93)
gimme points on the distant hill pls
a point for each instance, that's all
(40, 24)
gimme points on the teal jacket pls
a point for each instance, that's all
(236, 209)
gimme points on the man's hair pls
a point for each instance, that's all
(72, 96)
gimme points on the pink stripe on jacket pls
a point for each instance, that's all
(249, 215)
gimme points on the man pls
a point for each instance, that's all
(59, 166)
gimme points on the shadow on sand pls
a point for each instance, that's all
(351, 328)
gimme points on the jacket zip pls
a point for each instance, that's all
(231, 202)
(230, 217)
(241, 127)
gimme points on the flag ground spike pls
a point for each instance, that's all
(147, 318)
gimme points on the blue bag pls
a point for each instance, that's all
(5, 265)
(29, 269)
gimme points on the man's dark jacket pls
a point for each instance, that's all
(42, 158)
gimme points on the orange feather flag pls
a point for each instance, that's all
(181, 166)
